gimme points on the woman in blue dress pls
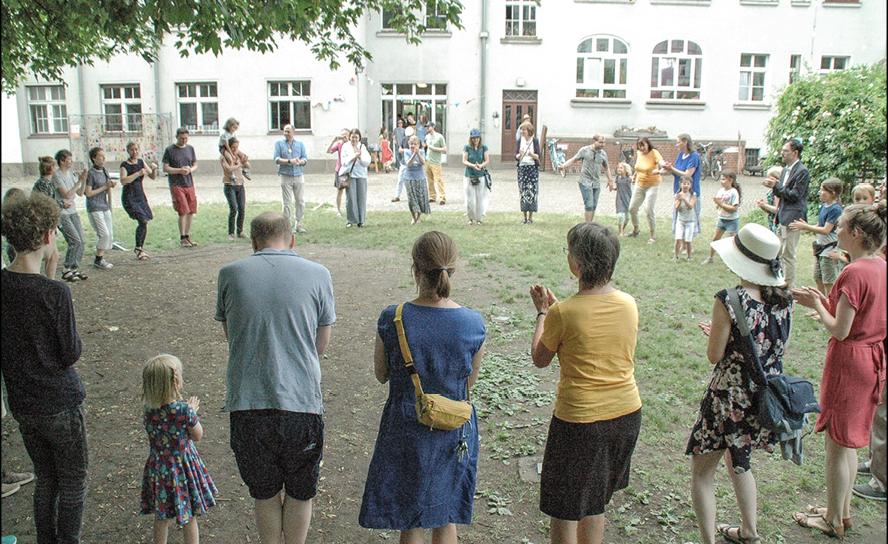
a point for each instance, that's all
(132, 171)
(421, 478)
(687, 163)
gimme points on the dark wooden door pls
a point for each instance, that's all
(516, 104)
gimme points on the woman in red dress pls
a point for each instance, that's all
(854, 373)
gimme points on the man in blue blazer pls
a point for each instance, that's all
(792, 189)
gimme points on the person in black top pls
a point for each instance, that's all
(40, 346)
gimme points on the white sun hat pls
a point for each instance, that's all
(753, 255)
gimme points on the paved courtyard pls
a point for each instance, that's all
(557, 194)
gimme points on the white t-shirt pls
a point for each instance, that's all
(730, 197)
(525, 149)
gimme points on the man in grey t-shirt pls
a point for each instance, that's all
(594, 160)
(277, 311)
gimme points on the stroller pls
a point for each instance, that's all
(556, 154)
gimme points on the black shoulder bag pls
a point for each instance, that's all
(783, 401)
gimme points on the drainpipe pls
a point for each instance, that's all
(482, 102)
(156, 63)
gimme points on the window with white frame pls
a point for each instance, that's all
(676, 70)
(122, 106)
(602, 67)
(833, 63)
(435, 17)
(521, 18)
(198, 106)
(47, 109)
(752, 77)
(289, 103)
(795, 67)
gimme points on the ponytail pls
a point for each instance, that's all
(434, 260)
(869, 219)
(440, 278)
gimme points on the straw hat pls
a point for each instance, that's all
(753, 255)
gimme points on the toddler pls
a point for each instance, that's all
(175, 483)
(727, 200)
(686, 220)
(228, 130)
(624, 195)
(863, 193)
(770, 203)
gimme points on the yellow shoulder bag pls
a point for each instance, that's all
(436, 411)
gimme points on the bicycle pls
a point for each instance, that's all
(712, 161)
(556, 154)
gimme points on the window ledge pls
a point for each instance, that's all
(295, 131)
(703, 3)
(604, 1)
(48, 136)
(526, 40)
(427, 34)
(600, 103)
(841, 4)
(751, 106)
(759, 2)
(801, 3)
(675, 104)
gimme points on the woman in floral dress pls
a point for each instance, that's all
(727, 425)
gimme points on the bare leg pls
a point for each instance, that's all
(412, 536)
(161, 530)
(297, 518)
(270, 519)
(51, 263)
(838, 480)
(746, 493)
(590, 530)
(718, 234)
(562, 531)
(182, 228)
(192, 534)
(590, 216)
(689, 249)
(678, 246)
(445, 534)
(187, 223)
(703, 493)
(339, 200)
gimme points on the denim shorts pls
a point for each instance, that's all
(278, 450)
(728, 225)
(590, 197)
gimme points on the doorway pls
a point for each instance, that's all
(516, 104)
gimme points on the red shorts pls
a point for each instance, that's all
(184, 200)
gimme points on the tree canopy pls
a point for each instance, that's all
(44, 36)
(840, 118)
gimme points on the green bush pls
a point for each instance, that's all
(840, 118)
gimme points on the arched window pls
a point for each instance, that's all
(676, 67)
(602, 67)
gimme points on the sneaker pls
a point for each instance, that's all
(230, 237)
(707, 260)
(866, 491)
(301, 230)
(241, 235)
(103, 264)
(443, 202)
(396, 199)
(652, 241)
(348, 225)
(633, 234)
(864, 468)
(18, 478)
(674, 259)
(10, 489)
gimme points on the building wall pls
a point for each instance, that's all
(340, 98)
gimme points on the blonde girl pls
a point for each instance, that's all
(624, 195)
(228, 132)
(175, 485)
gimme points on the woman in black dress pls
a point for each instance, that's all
(132, 171)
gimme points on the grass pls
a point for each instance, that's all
(671, 366)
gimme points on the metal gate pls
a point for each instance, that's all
(152, 131)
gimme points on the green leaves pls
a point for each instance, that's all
(840, 118)
(44, 37)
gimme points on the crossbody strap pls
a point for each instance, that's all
(740, 317)
(405, 351)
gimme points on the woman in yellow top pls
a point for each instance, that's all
(597, 407)
(647, 181)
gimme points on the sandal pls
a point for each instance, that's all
(821, 511)
(70, 276)
(141, 254)
(805, 520)
(80, 275)
(185, 242)
(192, 242)
(731, 533)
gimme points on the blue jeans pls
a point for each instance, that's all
(57, 446)
(237, 205)
(590, 197)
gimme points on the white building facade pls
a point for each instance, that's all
(712, 68)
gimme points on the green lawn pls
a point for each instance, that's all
(672, 370)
